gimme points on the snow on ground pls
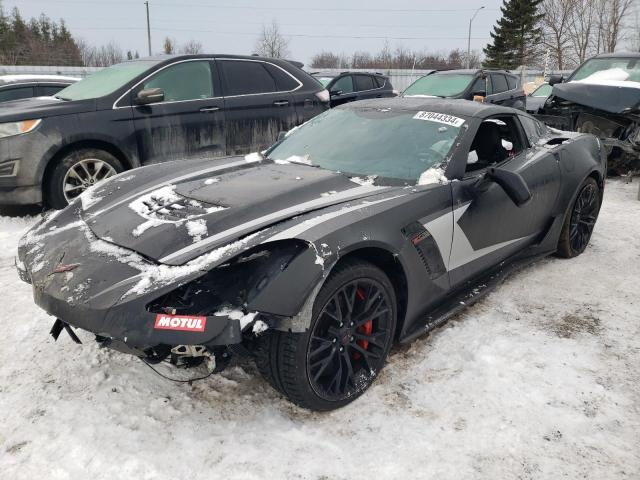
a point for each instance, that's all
(539, 380)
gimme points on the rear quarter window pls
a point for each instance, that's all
(380, 81)
(15, 93)
(284, 81)
(246, 77)
(534, 129)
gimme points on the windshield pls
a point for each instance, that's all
(324, 80)
(105, 81)
(440, 85)
(542, 91)
(609, 69)
(392, 145)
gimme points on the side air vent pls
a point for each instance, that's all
(426, 247)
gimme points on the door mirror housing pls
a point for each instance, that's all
(512, 183)
(555, 79)
(150, 95)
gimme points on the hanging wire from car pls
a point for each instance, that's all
(178, 380)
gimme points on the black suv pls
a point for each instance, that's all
(352, 86)
(146, 111)
(14, 87)
(491, 86)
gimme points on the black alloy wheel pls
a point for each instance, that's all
(349, 341)
(578, 227)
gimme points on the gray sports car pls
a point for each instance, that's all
(371, 223)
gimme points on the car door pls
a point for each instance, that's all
(189, 122)
(499, 89)
(366, 87)
(342, 90)
(488, 226)
(255, 108)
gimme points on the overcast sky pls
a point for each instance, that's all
(224, 26)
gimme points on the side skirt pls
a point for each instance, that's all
(471, 292)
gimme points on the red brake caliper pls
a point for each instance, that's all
(366, 328)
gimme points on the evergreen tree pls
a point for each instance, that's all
(517, 36)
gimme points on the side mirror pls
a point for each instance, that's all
(335, 93)
(512, 183)
(281, 136)
(555, 79)
(150, 95)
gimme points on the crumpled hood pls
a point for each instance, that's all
(172, 215)
(609, 98)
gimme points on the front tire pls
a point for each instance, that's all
(580, 221)
(77, 171)
(346, 345)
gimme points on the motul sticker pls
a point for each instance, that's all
(180, 322)
(440, 118)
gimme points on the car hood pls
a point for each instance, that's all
(172, 213)
(609, 98)
(42, 107)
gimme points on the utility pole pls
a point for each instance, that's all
(469, 38)
(148, 28)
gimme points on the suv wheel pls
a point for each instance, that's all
(76, 172)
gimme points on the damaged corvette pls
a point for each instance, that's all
(602, 97)
(372, 223)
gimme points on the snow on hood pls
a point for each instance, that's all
(614, 77)
(179, 220)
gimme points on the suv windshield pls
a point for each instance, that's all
(393, 145)
(439, 85)
(105, 81)
(609, 69)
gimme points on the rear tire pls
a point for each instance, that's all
(580, 220)
(346, 345)
(77, 171)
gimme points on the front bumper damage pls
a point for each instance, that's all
(97, 292)
(619, 132)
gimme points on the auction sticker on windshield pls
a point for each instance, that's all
(440, 118)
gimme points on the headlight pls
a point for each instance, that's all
(17, 128)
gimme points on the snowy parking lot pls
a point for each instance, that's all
(539, 380)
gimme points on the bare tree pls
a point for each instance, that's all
(611, 16)
(271, 42)
(556, 21)
(191, 48)
(581, 29)
(103, 56)
(169, 46)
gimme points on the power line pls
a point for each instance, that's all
(297, 35)
(252, 7)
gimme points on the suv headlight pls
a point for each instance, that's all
(18, 128)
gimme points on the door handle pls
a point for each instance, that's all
(209, 109)
(281, 103)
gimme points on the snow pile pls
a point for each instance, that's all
(304, 160)
(537, 381)
(197, 229)
(433, 176)
(364, 181)
(237, 314)
(211, 181)
(253, 157)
